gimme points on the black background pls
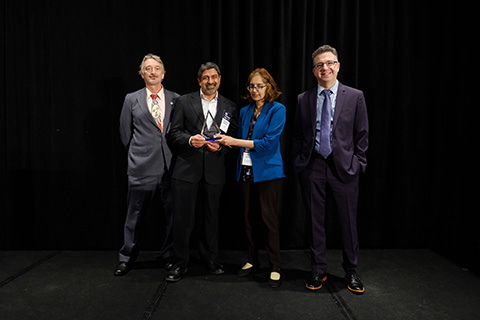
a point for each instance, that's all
(66, 67)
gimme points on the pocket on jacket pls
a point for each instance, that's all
(137, 150)
(274, 162)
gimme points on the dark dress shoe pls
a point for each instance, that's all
(121, 269)
(354, 284)
(275, 283)
(169, 263)
(215, 268)
(316, 282)
(175, 273)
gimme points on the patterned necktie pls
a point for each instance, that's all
(156, 113)
(325, 125)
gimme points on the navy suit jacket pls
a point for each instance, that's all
(349, 132)
(187, 120)
(148, 152)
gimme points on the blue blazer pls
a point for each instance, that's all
(267, 163)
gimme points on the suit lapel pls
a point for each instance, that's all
(261, 118)
(339, 104)
(168, 107)
(197, 108)
(313, 107)
(142, 101)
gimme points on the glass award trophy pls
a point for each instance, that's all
(210, 128)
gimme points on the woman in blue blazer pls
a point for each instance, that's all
(260, 168)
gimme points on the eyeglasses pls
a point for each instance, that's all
(254, 87)
(321, 64)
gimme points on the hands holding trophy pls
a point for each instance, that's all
(210, 129)
(208, 136)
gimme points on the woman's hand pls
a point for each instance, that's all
(233, 142)
(226, 140)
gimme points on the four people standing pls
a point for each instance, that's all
(329, 143)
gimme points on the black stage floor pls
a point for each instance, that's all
(400, 284)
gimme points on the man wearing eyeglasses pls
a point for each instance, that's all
(329, 144)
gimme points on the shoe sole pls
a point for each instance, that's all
(217, 272)
(316, 288)
(120, 272)
(244, 272)
(356, 291)
(173, 280)
(275, 283)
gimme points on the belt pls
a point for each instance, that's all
(319, 156)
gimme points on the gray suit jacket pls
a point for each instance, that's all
(148, 152)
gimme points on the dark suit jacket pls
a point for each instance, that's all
(187, 120)
(349, 133)
(148, 152)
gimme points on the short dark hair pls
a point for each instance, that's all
(323, 49)
(207, 66)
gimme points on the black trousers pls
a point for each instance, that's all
(186, 196)
(260, 210)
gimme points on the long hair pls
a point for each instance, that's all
(272, 92)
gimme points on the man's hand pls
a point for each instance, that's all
(197, 141)
(212, 146)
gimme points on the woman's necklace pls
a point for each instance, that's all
(257, 111)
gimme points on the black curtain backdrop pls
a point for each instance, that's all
(67, 65)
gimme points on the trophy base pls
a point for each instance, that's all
(212, 139)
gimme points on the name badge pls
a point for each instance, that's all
(246, 160)
(225, 121)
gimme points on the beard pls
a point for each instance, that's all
(211, 89)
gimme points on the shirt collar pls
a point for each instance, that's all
(202, 96)
(334, 88)
(159, 93)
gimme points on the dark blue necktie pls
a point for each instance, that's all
(325, 125)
